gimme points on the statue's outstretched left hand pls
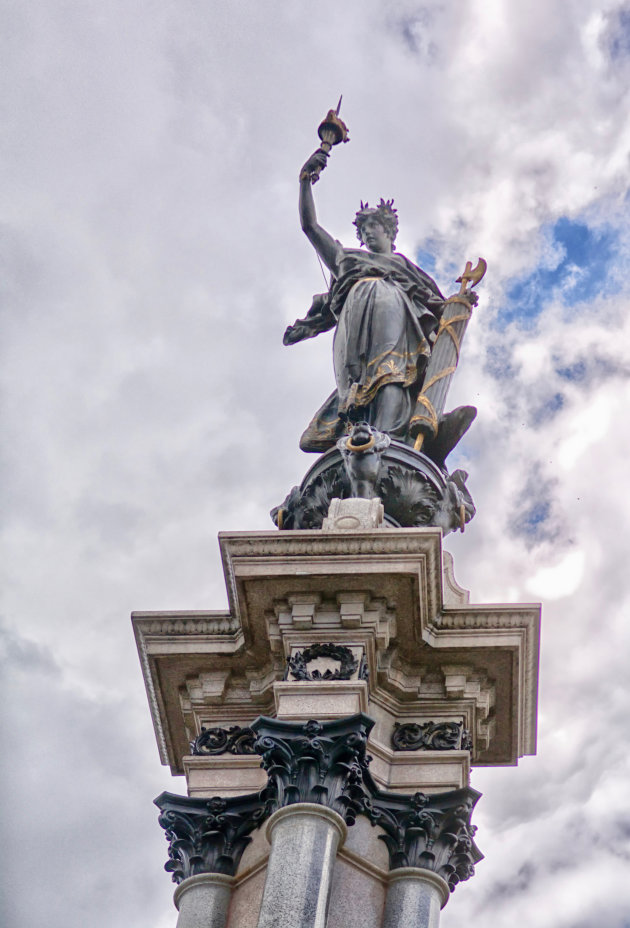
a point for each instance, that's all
(295, 333)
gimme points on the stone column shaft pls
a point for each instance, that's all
(414, 897)
(203, 900)
(304, 841)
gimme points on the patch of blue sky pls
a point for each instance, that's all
(577, 269)
(617, 36)
(499, 362)
(548, 409)
(426, 259)
(533, 514)
(532, 519)
(572, 372)
(591, 367)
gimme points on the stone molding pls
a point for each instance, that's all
(518, 627)
(201, 879)
(436, 771)
(312, 809)
(469, 694)
(453, 594)
(353, 514)
(223, 775)
(296, 701)
(383, 590)
(188, 623)
(309, 612)
(270, 554)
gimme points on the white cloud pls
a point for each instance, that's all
(152, 261)
(560, 580)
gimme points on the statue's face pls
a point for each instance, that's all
(375, 237)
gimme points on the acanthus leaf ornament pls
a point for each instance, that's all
(429, 832)
(320, 762)
(209, 835)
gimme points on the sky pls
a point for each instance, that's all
(151, 259)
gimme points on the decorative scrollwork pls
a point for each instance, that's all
(431, 736)
(430, 832)
(322, 762)
(298, 662)
(326, 763)
(234, 740)
(414, 487)
(209, 835)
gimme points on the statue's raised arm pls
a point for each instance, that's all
(330, 252)
(322, 241)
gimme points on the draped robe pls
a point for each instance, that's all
(386, 311)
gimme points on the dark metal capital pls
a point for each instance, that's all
(209, 835)
(322, 762)
(430, 832)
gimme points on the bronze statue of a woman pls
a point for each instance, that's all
(386, 312)
(384, 432)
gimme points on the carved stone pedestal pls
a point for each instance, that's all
(326, 724)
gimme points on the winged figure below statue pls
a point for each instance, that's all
(395, 349)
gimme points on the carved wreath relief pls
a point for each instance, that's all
(297, 664)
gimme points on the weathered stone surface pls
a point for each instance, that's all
(226, 775)
(404, 772)
(353, 514)
(304, 842)
(414, 897)
(325, 701)
(246, 898)
(362, 847)
(357, 897)
(203, 900)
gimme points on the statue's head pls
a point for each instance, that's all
(384, 214)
